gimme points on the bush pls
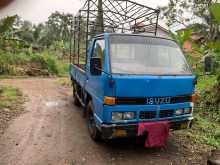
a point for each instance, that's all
(38, 60)
(8, 96)
(32, 64)
(5, 64)
(209, 100)
(52, 65)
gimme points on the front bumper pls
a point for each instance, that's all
(131, 130)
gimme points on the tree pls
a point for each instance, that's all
(184, 11)
(7, 26)
(56, 30)
(59, 26)
(25, 31)
(99, 19)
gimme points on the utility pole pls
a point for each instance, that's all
(99, 19)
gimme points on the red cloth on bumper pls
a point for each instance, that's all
(157, 133)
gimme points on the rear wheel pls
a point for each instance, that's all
(75, 98)
(93, 130)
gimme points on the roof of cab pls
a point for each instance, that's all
(126, 34)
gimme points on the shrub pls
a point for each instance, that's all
(8, 96)
(52, 65)
(5, 64)
(209, 100)
(32, 64)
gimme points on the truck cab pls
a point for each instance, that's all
(128, 79)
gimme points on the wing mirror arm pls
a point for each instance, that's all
(95, 67)
(104, 71)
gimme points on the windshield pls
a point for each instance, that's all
(146, 55)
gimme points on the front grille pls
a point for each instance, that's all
(180, 99)
(144, 100)
(166, 113)
(147, 114)
(131, 101)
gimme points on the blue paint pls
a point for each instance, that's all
(135, 86)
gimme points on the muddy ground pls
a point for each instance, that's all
(9, 113)
(53, 132)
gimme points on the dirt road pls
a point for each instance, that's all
(52, 132)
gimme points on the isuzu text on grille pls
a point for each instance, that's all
(158, 101)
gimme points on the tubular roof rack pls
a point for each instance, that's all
(117, 16)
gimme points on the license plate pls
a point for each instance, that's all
(120, 133)
(158, 100)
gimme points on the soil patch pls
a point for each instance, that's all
(11, 111)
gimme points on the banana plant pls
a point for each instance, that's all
(215, 10)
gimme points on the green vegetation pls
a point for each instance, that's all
(206, 82)
(8, 97)
(64, 82)
(215, 8)
(32, 64)
(11, 101)
(206, 127)
(208, 132)
(35, 50)
(206, 12)
(204, 132)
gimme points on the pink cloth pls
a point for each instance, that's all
(157, 133)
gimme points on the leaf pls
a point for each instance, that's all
(7, 23)
(215, 10)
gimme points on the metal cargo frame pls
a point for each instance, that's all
(117, 16)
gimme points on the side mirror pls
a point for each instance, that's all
(95, 66)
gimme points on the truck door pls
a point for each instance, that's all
(95, 83)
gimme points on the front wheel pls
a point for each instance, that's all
(93, 130)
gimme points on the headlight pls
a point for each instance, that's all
(179, 112)
(187, 110)
(117, 116)
(129, 115)
(123, 116)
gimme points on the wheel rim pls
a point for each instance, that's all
(91, 124)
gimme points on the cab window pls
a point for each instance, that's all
(98, 51)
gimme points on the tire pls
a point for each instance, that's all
(75, 98)
(94, 133)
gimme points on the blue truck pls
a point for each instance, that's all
(131, 78)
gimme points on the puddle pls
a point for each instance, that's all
(54, 103)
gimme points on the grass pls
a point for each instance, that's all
(204, 132)
(32, 64)
(206, 82)
(2, 77)
(66, 82)
(8, 96)
(206, 129)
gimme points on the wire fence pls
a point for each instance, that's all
(112, 16)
